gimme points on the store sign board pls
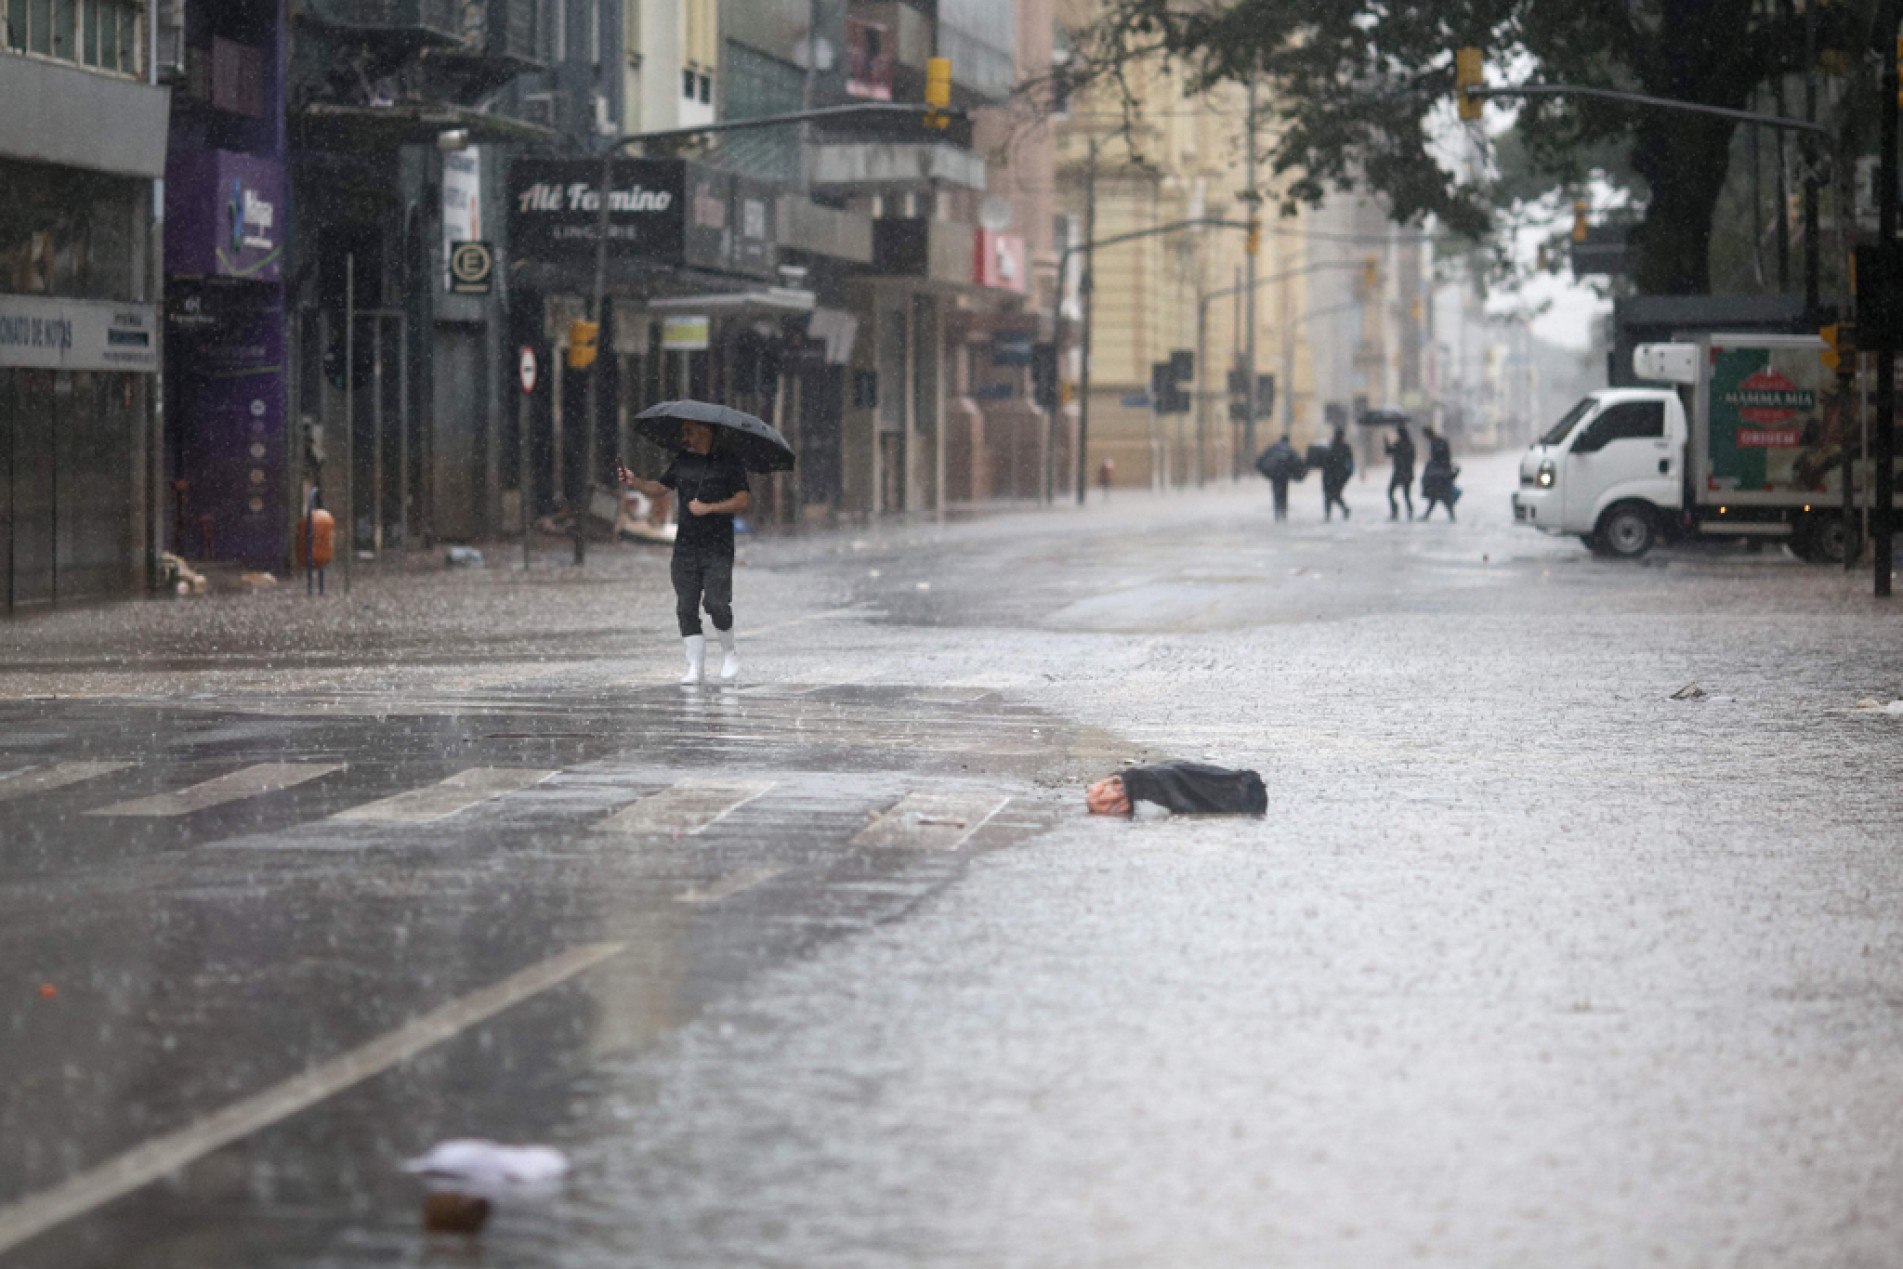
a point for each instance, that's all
(225, 216)
(56, 334)
(666, 211)
(686, 334)
(998, 261)
(462, 208)
(555, 209)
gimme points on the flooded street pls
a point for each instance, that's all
(1528, 963)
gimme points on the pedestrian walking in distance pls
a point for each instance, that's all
(1106, 472)
(1401, 451)
(712, 489)
(1336, 469)
(1437, 478)
(1279, 463)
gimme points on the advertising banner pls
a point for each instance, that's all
(462, 206)
(225, 216)
(554, 207)
(1774, 421)
(663, 211)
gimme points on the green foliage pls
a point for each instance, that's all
(1357, 93)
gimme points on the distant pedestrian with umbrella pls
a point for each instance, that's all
(1401, 451)
(715, 447)
(1279, 464)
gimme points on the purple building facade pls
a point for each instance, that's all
(227, 225)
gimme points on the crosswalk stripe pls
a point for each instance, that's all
(17, 784)
(264, 777)
(931, 821)
(685, 808)
(730, 885)
(446, 797)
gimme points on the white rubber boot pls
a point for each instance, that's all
(729, 663)
(696, 659)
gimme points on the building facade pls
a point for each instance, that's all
(79, 323)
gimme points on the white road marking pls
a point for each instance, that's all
(730, 885)
(931, 821)
(18, 784)
(265, 777)
(443, 799)
(163, 1155)
(685, 808)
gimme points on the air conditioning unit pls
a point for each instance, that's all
(543, 109)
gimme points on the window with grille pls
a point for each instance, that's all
(758, 85)
(105, 34)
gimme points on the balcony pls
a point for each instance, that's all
(427, 19)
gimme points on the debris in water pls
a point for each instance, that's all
(1690, 692)
(257, 581)
(48, 991)
(463, 557)
(485, 1168)
(451, 1212)
(1871, 704)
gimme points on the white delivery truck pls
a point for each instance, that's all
(1751, 442)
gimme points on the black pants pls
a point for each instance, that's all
(1280, 489)
(702, 575)
(1331, 498)
(1406, 485)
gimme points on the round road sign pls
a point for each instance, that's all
(527, 368)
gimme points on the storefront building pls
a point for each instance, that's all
(228, 219)
(79, 333)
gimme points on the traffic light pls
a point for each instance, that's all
(1579, 220)
(1370, 275)
(583, 343)
(1044, 375)
(1167, 379)
(1840, 353)
(938, 86)
(1253, 242)
(1468, 75)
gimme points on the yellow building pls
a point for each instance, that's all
(1184, 159)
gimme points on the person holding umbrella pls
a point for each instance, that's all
(716, 447)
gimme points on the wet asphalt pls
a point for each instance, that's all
(1529, 964)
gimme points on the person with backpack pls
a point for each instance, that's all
(1337, 468)
(1401, 451)
(1279, 463)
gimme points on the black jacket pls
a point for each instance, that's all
(1401, 450)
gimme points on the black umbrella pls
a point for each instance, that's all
(1385, 418)
(755, 442)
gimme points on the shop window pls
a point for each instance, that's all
(67, 233)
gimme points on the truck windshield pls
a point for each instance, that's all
(1559, 430)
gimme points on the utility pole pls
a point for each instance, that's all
(1813, 254)
(1202, 369)
(1883, 444)
(1254, 247)
(1786, 11)
(1086, 292)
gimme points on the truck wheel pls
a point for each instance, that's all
(1824, 538)
(1626, 531)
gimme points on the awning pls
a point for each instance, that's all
(761, 301)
